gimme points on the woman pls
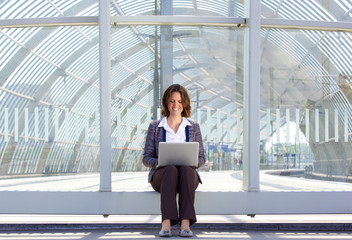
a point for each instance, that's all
(170, 180)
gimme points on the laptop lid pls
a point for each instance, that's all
(178, 154)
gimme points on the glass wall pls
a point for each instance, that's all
(49, 124)
(305, 111)
(49, 91)
(208, 62)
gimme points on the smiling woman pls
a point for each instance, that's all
(170, 180)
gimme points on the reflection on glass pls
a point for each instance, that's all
(305, 113)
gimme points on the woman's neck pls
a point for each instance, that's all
(174, 122)
(174, 119)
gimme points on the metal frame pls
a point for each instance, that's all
(251, 201)
(251, 99)
(105, 97)
(177, 21)
(49, 22)
(306, 25)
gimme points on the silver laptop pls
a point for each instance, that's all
(178, 154)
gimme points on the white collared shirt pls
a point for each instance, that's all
(171, 136)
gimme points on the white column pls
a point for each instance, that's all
(287, 125)
(326, 125)
(317, 125)
(228, 128)
(239, 116)
(16, 125)
(56, 133)
(166, 47)
(268, 125)
(6, 122)
(36, 124)
(218, 126)
(105, 96)
(66, 124)
(76, 127)
(297, 125)
(26, 125)
(278, 124)
(129, 125)
(251, 98)
(46, 128)
(158, 114)
(199, 119)
(86, 126)
(208, 125)
(336, 115)
(345, 126)
(118, 125)
(149, 116)
(307, 125)
(96, 119)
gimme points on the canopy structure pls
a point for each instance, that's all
(50, 82)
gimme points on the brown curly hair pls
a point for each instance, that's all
(186, 100)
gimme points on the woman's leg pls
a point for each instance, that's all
(188, 183)
(165, 181)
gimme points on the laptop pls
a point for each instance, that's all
(178, 154)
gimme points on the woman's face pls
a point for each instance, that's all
(174, 104)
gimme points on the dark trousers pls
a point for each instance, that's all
(171, 180)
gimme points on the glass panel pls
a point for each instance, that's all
(49, 101)
(306, 110)
(44, 8)
(231, 8)
(328, 10)
(208, 62)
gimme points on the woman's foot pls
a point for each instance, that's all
(185, 231)
(165, 233)
(165, 228)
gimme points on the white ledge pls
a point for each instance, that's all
(207, 203)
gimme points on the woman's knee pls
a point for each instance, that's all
(187, 170)
(170, 172)
(167, 174)
(171, 169)
(189, 174)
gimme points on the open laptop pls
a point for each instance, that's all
(178, 154)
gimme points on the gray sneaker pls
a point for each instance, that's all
(165, 233)
(186, 233)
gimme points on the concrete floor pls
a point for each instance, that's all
(152, 234)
